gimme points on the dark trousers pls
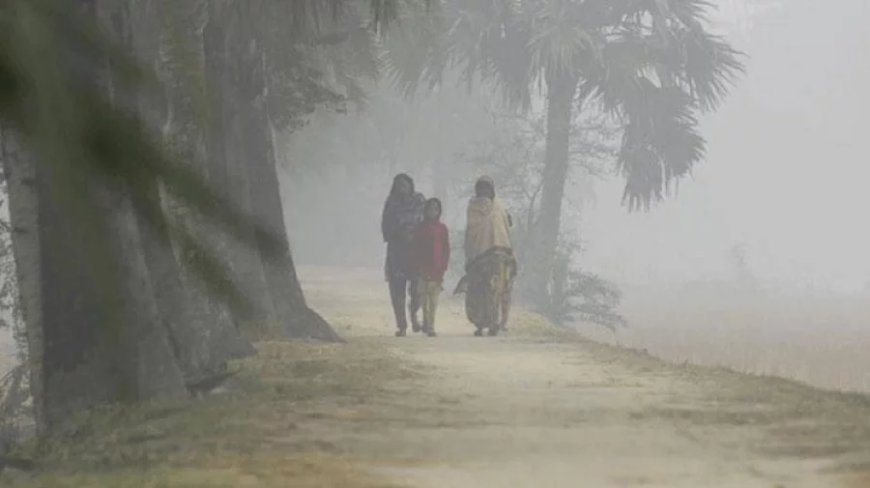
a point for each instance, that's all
(399, 289)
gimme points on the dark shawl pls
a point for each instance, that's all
(402, 214)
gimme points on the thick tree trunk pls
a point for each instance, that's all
(93, 329)
(82, 340)
(294, 316)
(560, 100)
(203, 338)
(20, 175)
(267, 273)
(145, 339)
(203, 334)
(228, 165)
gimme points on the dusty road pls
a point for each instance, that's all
(543, 408)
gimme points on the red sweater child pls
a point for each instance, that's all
(432, 245)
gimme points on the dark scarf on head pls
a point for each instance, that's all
(402, 212)
(394, 190)
(485, 185)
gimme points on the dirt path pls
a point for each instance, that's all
(542, 408)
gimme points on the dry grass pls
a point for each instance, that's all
(528, 324)
(250, 435)
(304, 471)
(304, 414)
(861, 481)
(798, 421)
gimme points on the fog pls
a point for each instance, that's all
(763, 250)
(786, 170)
(221, 259)
(784, 178)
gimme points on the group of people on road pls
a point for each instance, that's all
(418, 255)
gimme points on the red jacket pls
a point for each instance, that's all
(432, 250)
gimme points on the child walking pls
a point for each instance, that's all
(432, 251)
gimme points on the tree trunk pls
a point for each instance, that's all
(296, 319)
(93, 329)
(267, 274)
(203, 334)
(145, 358)
(203, 338)
(20, 175)
(560, 100)
(228, 162)
(292, 315)
(145, 339)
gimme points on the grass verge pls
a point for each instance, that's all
(251, 434)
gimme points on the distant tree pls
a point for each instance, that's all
(738, 259)
(576, 295)
(652, 65)
(516, 160)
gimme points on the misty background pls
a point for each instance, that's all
(768, 235)
(786, 172)
(192, 280)
(784, 178)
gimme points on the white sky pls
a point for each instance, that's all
(787, 170)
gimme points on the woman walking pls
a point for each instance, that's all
(403, 212)
(490, 265)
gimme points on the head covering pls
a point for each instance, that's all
(485, 183)
(402, 214)
(487, 224)
(401, 177)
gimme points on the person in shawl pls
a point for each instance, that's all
(403, 212)
(490, 265)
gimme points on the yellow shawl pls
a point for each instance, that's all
(488, 227)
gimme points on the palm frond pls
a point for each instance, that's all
(412, 53)
(660, 67)
(321, 64)
(386, 12)
(660, 143)
(690, 11)
(563, 40)
(711, 66)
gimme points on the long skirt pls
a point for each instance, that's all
(490, 282)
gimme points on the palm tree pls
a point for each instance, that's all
(652, 65)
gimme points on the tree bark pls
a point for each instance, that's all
(267, 274)
(203, 338)
(560, 100)
(145, 339)
(93, 330)
(228, 162)
(203, 334)
(20, 174)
